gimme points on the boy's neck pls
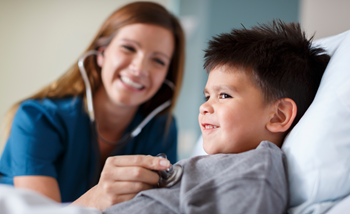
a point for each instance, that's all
(276, 138)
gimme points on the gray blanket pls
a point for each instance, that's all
(249, 182)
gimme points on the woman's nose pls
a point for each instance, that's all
(206, 108)
(139, 66)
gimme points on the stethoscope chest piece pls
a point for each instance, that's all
(170, 176)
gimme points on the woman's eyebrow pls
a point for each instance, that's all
(133, 41)
(139, 45)
(163, 54)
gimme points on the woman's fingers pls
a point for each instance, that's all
(136, 168)
(133, 173)
(145, 161)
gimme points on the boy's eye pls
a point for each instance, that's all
(160, 62)
(224, 96)
(129, 48)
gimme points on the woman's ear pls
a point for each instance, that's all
(283, 116)
(100, 57)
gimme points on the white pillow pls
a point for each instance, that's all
(318, 147)
(341, 207)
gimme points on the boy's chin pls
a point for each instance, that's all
(210, 150)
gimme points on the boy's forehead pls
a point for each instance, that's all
(233, 69)
(232, 72)
(221, 78)
(235, 78)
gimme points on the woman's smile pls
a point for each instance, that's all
(129, 83)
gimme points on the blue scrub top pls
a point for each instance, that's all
(53, 137)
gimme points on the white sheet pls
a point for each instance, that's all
(20, 201)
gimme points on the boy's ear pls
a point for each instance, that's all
(283, 116)
(100, 57)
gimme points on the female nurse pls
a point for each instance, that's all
(51, 146)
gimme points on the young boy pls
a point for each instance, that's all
(261, 81)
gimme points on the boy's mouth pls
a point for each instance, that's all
(209, 126)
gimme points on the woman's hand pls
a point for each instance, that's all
(122, 178)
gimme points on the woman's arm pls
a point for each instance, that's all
(45, 185)
(121, 179)
(34, 145)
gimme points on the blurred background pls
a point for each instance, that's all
(40, 40)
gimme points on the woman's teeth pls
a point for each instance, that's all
(131, 83)
(210, 127)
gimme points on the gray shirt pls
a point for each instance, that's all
(250, 182)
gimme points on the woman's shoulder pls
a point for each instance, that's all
(54, 105)
(57, 112)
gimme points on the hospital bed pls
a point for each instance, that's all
(317, 149)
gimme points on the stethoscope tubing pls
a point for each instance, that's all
(87, 82)
(90, 106)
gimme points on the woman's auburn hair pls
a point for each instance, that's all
(71, 83)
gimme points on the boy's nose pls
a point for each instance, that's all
(206, 108)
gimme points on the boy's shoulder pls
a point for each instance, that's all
(264, 154)
(266, 163)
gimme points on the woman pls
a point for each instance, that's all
(51, 146)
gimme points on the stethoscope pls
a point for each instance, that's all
(167, 178)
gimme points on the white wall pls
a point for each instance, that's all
(325, 17)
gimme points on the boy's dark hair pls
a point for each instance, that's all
(281, 61)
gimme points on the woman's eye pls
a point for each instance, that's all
(129, 48)
(224, 96)
(160, 62)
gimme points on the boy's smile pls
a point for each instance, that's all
(234, 116)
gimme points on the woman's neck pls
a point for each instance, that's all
(111, 119)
